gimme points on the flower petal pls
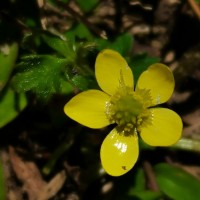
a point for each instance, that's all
(110, 68)
(88, 108)
(119, 153)
(165, 130)
(159, 79)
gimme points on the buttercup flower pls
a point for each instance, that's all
(131, 108)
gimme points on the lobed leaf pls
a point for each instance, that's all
(60, 45)
(41, 74)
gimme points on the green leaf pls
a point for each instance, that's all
(139, 182)
(60, 45)
(84, 82)
(11, 104)
(41, 74)
(122, 44)
(80, 82)
(8, 55)
(80, 31)
(66, 87)
(176, 183)
(83, 32)
(2, 182)
(103, 43)
(147, 195)
(139, 188)
(87, 5)
(140, 63)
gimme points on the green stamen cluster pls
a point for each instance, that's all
(128, 110)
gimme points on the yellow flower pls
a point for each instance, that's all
(132, 110)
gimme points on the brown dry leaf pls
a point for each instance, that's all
(192, 131)
(53, 186)
(33, 184)
(28, 174)
(13, 192)
(179, 97)
(192, 118)
(194, 170)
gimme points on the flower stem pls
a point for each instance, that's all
(188, 144)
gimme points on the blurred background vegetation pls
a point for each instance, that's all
(47, 55)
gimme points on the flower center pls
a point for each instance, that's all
(128, 110)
